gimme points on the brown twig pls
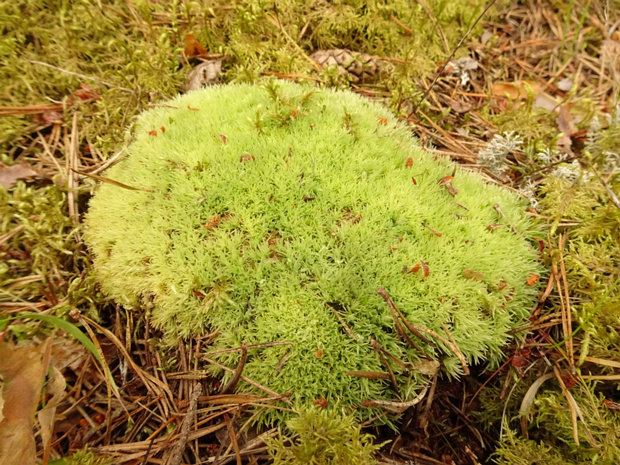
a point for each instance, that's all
(411, 327)
(111, 181)
(82, 76)
(251, 347)
(395, 407)
(247, 380)
(177, 453)
(378, 349)
(232, 384)
(342, 322)
(443, 68)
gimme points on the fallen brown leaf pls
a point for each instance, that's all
(565, 125)
(515, 90)
(23, 371)
(212, 223)
(56, 388)
(11, 174)
(193, 47)
(85, 92)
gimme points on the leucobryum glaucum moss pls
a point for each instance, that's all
(262, 210)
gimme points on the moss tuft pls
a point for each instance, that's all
(263, 210)
(323, 437)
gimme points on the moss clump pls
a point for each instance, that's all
(552, 434)
(323, 437)
(264, 210)
(83, 457)
(39, 257)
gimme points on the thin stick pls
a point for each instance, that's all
(612, 194)
(411, 327)
(430, 14)
(401, 365)
(395, 407)
(247, 380)
(569, 317)
(109, 162)
(342, 322)
(83, 76)
(232, 384)
(452, 55)
(566, 330)
(276, 22)
(233, 438)
(111, 181)
(177, 453)
(400, 330)
(72, 148)
(375, 345)
(429, 401)
(255, 346)
(392, 305)
(571, 407)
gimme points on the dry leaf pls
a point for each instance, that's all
(85, 92)
(516, 90)
(321, 402)
(23, 371)
(56, 388)
(212, 223)
(68, 354)
(51, 117)
(193, 47)
(565, 84)
(425, 269)
(565, 125)
(459, 107)
(546, 102)
(415, 269)
(427, 367)
(11, 174)
(204, 74)
(532, 279)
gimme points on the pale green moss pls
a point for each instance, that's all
(317, 206)
(83, 457)
(323, 437)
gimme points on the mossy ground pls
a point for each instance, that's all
(129, 53)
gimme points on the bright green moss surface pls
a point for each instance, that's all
(317, 206)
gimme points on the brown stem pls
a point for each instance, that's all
(409, 326)
(417, 328)
(375, 345)
(232, 384)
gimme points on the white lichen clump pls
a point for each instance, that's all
(494, 154)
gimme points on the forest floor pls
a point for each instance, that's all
(525, 93)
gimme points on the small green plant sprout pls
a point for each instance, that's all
(281, 238)
(83, 457)
(323, 437)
